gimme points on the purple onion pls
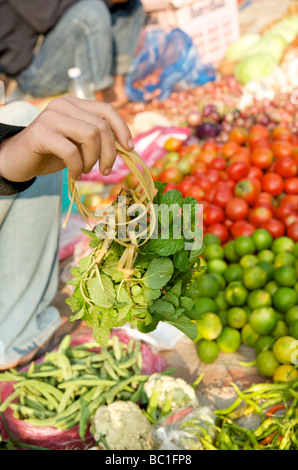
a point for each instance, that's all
(208, 129)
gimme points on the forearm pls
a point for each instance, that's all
(7, 187)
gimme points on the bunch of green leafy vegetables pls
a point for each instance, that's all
(158, 289)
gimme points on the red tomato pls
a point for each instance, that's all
(237, 170)
(239, 135)
(155, 172)
(262, 158)
(213, 176)
(220, 230)
(210, 146)
(170, 186)
(171, 175)
(199, 167)
(292, 231)
(282, 133)
(206, 156)
(242, 227)
(282, 148)
(247, 189)
(262, 131)
(203, 182)
(290, 199)
(255, 172)
(229, 149)
(237, 209)
(219, 163)
(173, 144)
(213, 214)
(195, 192)
(283, 210)
(239, 157)
(228, 223)
(258, 215)
(291, 186)
(286, 167)
(273, 184)
(230, 184)
(222, 197)
(290, 218)
(261, 143)
(184, 186)
(209, 195)
(275, 227)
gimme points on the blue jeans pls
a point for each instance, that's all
(102, 43)
(29, 232)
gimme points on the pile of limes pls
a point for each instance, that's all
(248, 294)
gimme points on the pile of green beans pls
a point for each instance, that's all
(276, 431)
(70, 384)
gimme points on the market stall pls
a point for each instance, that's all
(185, 342)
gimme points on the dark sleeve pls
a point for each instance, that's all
(41, 15)
(8, 188)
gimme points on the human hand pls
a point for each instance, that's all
(70, 133)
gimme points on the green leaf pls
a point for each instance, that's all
(176, 289)
(186, 303)
(110, 268)
(162, 309)
(90, 234)
(76, 302)
(77, 316)
(159, 273)
(98, 294)
(180, 261)
(84, 263)
(185, 325)
(170, 297)
(172, 197)
(165, 247)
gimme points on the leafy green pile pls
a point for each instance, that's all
(157, 290)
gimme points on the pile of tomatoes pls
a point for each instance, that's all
(248, 182)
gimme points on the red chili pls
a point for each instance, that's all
(274, 409)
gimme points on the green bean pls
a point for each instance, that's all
(231, 408)
(26, 411)
(32, 402)
(116, 348)
(9, 399)
(110, 395)
(136, 396)
(10, 377)
(132, 359)
(65, 344)
(87, 412)
(130, 346)
(31, 369)
(91, 382)
(65, 399)
(254, 405)
(65, 365)
(207, 445)
(42, 386)
(110, 371)
(264, 426)
(120, 372)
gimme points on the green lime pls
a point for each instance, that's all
(244, 245)
(233, 273)
(285, 373)
(296, 287)
(211, 239)
(221, 302)
(229, 340)
(285, 298)
(282, 245)
(202, 305)
(203, 269)
(284, 259)
(264, 343)
(281, 329)
(295, 251)
(268, 268)
(248, 335)
(266, 363)
(285, 350)
(293, 329)
(291, 314)
(236, 317)
(271, 287)
(248, 311)
(247, 261)
(209, 326)
(263, 320)
(285, 276)
(259, 298)
(217, 266)
(223, 317)
(236, 294)
(207, 350)
(262, 238)
(230, 253)
(266, 255)
(207, 286)
(220, 280)
(213, 251)
(254, 278)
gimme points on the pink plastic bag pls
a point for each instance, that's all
(149, 145)
(56, 439)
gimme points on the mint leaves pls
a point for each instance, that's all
(158, 288)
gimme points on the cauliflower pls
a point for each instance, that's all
(122, 425)
(182, 393)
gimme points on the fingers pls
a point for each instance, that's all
(107, 112)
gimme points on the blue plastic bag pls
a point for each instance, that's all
(178, 60)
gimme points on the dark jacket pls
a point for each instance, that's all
(21, 24)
